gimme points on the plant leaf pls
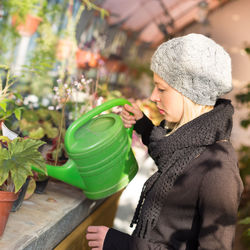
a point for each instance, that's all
(19, 174)
(245, 221)
(30, 115)
(52, 133)
(5, 139)
(3, 105)
(4, 169)
(37, 133)
(49, 130)
(18, 113)
(30, 189)
(23, 154)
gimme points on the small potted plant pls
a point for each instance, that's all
(26, 15)
(17, 155)
(41, 124)
(16, 158)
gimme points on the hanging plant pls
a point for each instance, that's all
(27, 27)
(26, 14)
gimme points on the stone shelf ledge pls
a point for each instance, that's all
(46, 219)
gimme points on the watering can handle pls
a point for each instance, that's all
(92, 113)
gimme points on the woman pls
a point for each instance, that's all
(191, 202)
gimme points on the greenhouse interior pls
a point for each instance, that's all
(72, 170)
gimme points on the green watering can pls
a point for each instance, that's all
(101, 161)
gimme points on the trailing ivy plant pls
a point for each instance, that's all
(16, 158)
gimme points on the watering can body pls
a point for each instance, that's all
(101, 161)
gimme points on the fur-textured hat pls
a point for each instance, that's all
(195, 66)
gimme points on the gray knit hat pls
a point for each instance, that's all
(195, 66)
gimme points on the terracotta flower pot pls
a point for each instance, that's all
(84, 58)
(94, 60)
(6, 202)
(29, 27)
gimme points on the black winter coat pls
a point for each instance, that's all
(200, 211)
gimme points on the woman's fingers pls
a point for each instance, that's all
(130, 108)
(128, 117)
(128, 122)
(135, 110)
(94, 244)
(130, 114)
(92, 229)
(95, 236)
(128, 125)
(91, 236)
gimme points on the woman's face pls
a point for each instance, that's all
(168, 100)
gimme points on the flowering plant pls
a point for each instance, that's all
(80, 94)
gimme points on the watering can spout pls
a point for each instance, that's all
(67, 173)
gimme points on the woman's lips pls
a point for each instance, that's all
(161, 111)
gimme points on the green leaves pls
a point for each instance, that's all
(91, 5)
(3, 105)
(37, 133)
(247, 49)
(16, 161)
(9, 101)
(245, 123)
(18, 112)
(39, 123)
(8, 107)
(4, 170)
(245, 221)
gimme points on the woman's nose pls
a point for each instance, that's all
(154, 96)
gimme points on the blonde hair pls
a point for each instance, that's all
(191, 111)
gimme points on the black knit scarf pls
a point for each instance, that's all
(172, 154)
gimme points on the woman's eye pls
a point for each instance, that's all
(161, 90)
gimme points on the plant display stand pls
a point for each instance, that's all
(56, 219)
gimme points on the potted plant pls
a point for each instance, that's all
(16, 158)
(26, 15)
(10, 109)
(28, 26)
(41, 124)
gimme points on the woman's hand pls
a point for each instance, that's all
(95, 236)
(130, 119)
